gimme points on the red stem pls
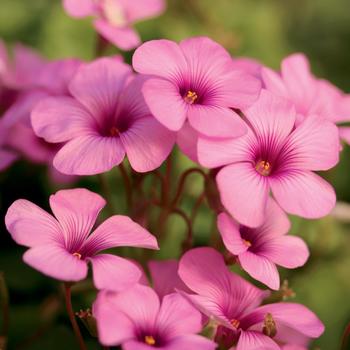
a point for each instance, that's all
(345, 338)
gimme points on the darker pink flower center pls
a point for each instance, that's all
(235, 323)
(77, 255)
(263, 167)
(114, 131)
(190, 97)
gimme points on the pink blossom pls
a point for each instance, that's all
(260, 249)
(233, 304)
(137, 320)
(61, 246)
(309, 94)
(105, 118)
(195, 80)
(114, 18)
(274, 155)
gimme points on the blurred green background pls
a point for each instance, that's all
(267, 30)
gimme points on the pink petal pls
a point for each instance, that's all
(162, 58)
(138, 10)
(174, 308)
(165, 277)
(251, 340)
(6, 158)
(213, 153)
(111, 272)
(187, 139)
(273, 82)
(287, 251)
(125, 38)
(114, 326)
(295, 316)
(344, 133)
(147, 144)
(165, 103)
(55, 261)
(119, 231)
(303, 193)
(79, 8)
(97, 85)
(30, 225)
(190, 342)
(229, 231)
(265, 118)
(215, 121)
(308, 147)
(89, 155)
(76, 210)
(260, 268)
(59, 119)
(244, 193)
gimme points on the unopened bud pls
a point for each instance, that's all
(88, 321)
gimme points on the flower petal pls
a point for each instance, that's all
(273, 82)
(287, 251)
(303, 193)
(229, 231)
(6, 158)
(190, 342)
(125, 38)
(162, 58)
(137, 10)
(165, 103)
(244, 193)
(76, 210)
(119, 231)
(111, 272)
(97, 85)
(55, 261)
(59, 119)
(260, 268)
(313, 145)
(216, 121)
(147, 144)
(79, 8)
(30, 225)
(252, 340)
(187, 139)
(89, 155)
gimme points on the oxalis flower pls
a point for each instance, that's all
(233, 304)
(195, 80)
(105, 119)
(62, 246)
(114, 18)
(274, 155)
(260, 249)
(136, 320)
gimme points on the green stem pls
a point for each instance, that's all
(105, 188)
(69, 307)
(128, 186)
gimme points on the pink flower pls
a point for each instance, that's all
(62, 246)
(276, 156)
(234, 304)
(309, 94)
(105, 118)
(114, 18)
(195, 80)
(137, 320)
(260, 249)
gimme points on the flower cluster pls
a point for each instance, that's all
(263, 135)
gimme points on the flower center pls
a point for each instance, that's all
(149, 340)
(263, 167)
(235, 323)
(113, 131)
(191, 97)
(77, 255)
(247, 243)
(114, 13)
(269, 327)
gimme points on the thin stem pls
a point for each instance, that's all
(127, 184)
(68, 294)
(106, 192)
(5, 312)
(196, 207)
(166, 184)
(182, 183)
(189, 240)
(345, 338)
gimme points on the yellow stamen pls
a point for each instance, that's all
(77, 255)
(149, 340)
(191, 97)
(235, 323)
(247, 243)
(263, 167)
(269, 327)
